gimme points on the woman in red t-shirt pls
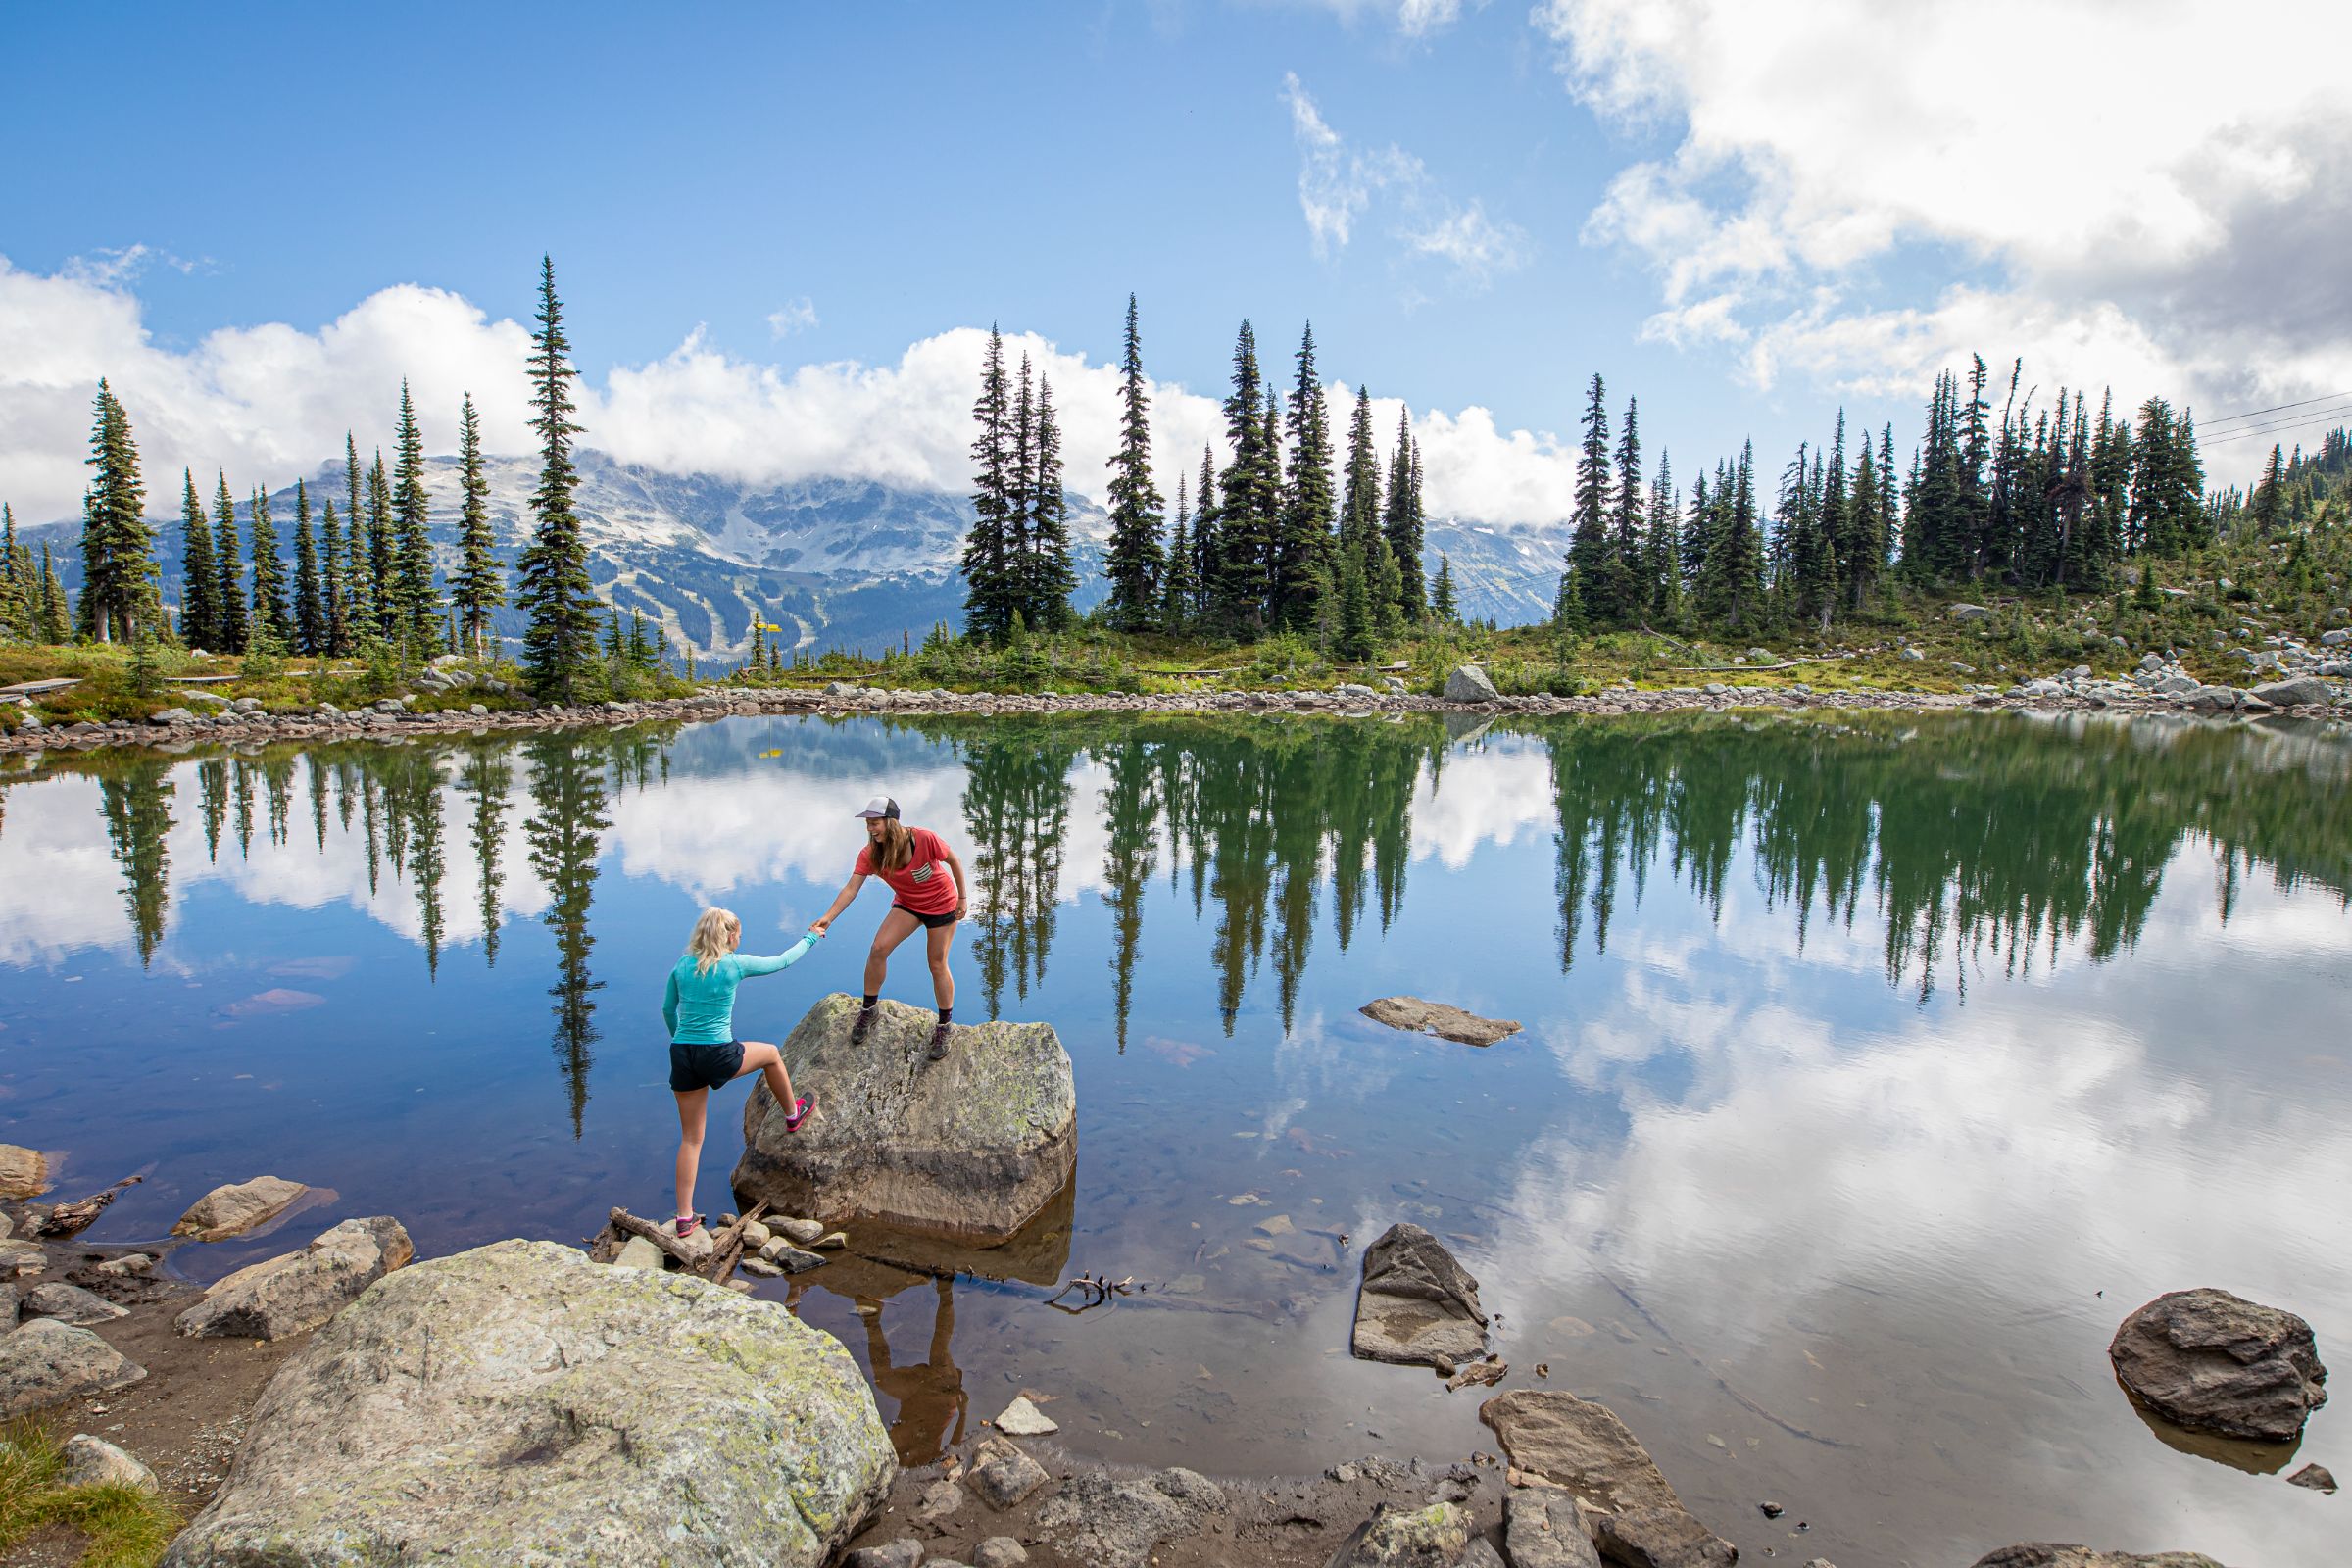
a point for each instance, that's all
(909, 859)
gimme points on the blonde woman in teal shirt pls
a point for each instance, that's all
(699, 1007)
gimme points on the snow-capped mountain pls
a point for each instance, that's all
(837, 562)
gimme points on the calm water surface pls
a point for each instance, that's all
(1871, 1073)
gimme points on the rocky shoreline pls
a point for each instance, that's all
(177, 730)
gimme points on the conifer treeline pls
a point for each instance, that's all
(1261, 545)
(365, 580)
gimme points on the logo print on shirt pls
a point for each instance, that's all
(922, 873)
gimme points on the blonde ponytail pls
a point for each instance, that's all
(713, 935)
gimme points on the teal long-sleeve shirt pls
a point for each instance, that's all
(699, 1008)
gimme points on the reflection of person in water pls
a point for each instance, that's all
(930, 1394)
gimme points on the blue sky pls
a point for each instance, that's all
(1476, 205)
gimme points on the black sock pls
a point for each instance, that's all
(947, 1015)
(868, 1004)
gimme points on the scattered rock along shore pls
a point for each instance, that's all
(392, 719)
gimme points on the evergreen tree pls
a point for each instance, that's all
(1132, 562)
(16, 619)
(988, 570)
(1660, 581)
(1023, 515)
(228, 597)
(383, 553)
(268, 578)
(480, 587)
(2267, 508)
(1355, 638)
(1861, 540)
(1402, 526)
(553, 589)
(1359, 506)
(200, 575)
(1971, 539)
(56, 620)
(1731, 583)
(1238, 579)
(1440, 596)
(1176, 579)
(418, 607)
(1590, 590)
(1207, 551)
(1308, 509)
(1047, 580)
(1386, 584)
(1626, 517)
(335, 577)
(358, 571)
(309, 596)
(119, 574)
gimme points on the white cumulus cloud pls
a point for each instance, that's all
(2152, 195)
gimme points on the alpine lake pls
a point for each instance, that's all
(1873, 1066)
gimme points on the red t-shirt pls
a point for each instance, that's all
(926, 886)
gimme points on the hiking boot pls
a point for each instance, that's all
(940, 1033)
(864, 1025)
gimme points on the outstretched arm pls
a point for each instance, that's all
(840, 902)
(750, 965)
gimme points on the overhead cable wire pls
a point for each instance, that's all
(2324, 417)
(2280, 408)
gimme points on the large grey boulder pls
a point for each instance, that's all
(2217, 1362)
(520, 1406)
(1440, 1018)
(299, 1291)
(972, 1147)
(2296, 690)
(1631, 1512)
(46, 1362)
(1469, 684)
(1109, 1522)
(1417, 1304)
(2049, 1555)
(234, 1209)
(71, 1304)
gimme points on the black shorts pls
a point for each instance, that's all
(694, 1067)
(931, 922)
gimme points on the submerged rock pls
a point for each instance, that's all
(299, 1291)
(1417, 1304)
(1107, 1522)
(1632, 1513)
(234, 1209)
(1470, 685)
(2316, 1476)
(46, 1362)
(974, 1146)
(1439, 1018)
(2216, 1362)
(518, 1404)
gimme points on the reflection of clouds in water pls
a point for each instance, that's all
(1497, 793)
(61, 890)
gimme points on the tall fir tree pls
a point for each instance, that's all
(1589, 590)
(1244, 533)
(1133, 561)
(229, 594)
(988, 568)
(57, 615)
(270, 612)
(1627, 506)
(479, 587)
(1023, 515)
(334, 575)
(1048, 579)
(1205, 549)
(1176, 579)
(119, 574)
(309, 594)
(1304, 538)
(1403, 525)
(553, 589)
(359, 571)
(1660, 585)
(199, 573)
(383, 553)
(419, 604)
(1441, 607)
(15, 617)
(1359, 482)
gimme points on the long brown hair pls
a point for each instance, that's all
(894, 850)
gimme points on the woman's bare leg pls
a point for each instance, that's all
(694, 1106)
(943, 979)
(897, 926)
(767, 1061)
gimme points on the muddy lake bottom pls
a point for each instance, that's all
(1873, 1067)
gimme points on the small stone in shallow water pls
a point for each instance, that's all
(2317, 1477)
(1022, 1419)
(1771, 1511)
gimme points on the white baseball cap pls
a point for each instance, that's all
(881, 806)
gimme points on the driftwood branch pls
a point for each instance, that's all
(629, 1224)
(72, 1219)
(728, 1245)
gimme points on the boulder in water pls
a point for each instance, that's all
(1442, 1019)
(518, 1404)
(973, 1147)
(234, 1209)
(2216, 1362)
(1417, 1304)
(1631, 1511)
